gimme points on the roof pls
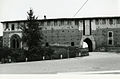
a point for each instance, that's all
(82, 18)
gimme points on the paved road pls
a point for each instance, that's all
(97, 61)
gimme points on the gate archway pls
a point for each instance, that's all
(89, 43)
(15, 41)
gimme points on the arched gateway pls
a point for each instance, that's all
(15, 41)
(90, 45)
(90, 41)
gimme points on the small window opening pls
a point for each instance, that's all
(110, 42)
(72, 43)
(13, 27)
(47, 44)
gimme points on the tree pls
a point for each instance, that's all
(32, 34)
(1, 41)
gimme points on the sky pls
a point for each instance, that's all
(17, 9)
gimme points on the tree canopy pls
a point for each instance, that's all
(32, 33)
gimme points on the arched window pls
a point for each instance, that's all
(110, 38)
(110, 34)
(12, 27)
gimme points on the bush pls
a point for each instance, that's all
(12, 55)
(48, 52)
(58, 52)
(18, 55)
(4, 53)
(34, 54)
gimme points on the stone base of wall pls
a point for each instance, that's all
(113, 49)
(101, 49)
(108, 49)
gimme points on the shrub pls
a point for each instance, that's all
(34, 54)
(5, 52)
(58, 52)
(48, 52)
(18, 55)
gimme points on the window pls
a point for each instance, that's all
(6, 25)
(76, 22)
(45, 23)
(55, 23)
(110, 34)
(12, 27)
(72, 43)
(96, 21)
(118, 21)
(69, 22)
(110, 42)
(110, 21)
(41, 23)
(62, 22)
(110, 38)
(103, 21)
(48, 23)
(47, 44)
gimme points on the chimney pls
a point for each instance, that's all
(44, 16)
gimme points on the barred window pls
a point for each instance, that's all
(76, 22)
(6, 25)
(110, 42)
(41, 23)
(55, 23)
(110, 21)
(62, 22)
(110, 38)
(69, 22)
(47, 44)
(96, 21)
(48, 23)
(13, 27)
(103, 21)
(118, 21)
(110, 34)
(72, 43)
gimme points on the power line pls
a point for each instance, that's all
(80, 8)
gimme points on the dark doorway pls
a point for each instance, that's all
(89, 42)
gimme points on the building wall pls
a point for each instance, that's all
(63, 32)
(101, 33)
(8, 33)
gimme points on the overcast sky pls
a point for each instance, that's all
(17, 9)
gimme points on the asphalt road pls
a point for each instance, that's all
(97, 61)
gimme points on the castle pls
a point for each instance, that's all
(100, 33)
